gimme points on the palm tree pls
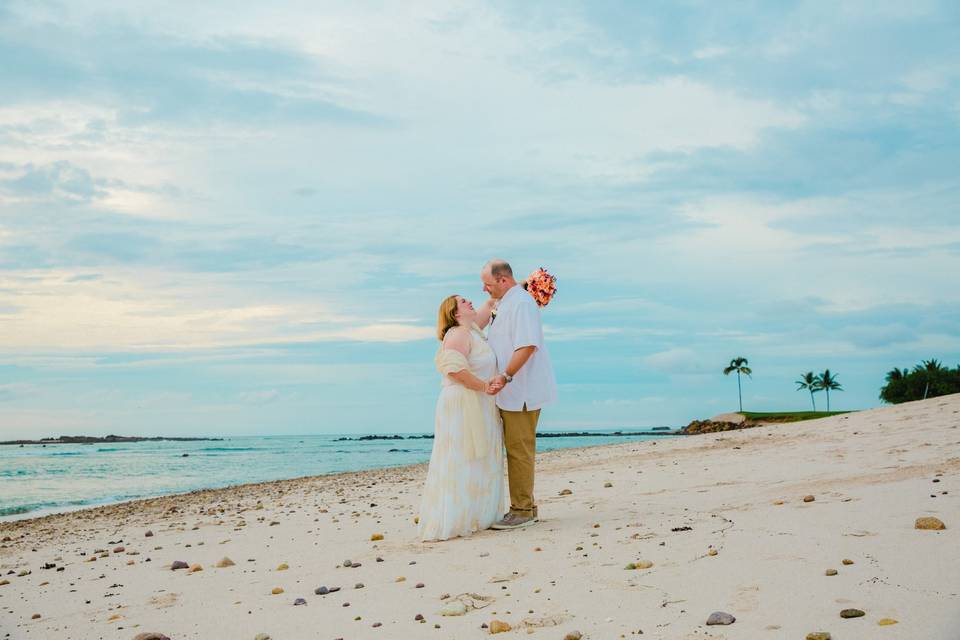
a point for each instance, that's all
(811, 383)
(827, 382)
(929, 368)
(896, 375)
(739, 365)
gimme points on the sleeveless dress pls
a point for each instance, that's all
(464, 489)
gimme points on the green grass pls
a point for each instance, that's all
(788, 416)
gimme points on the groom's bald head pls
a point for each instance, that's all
(497, 278)
(499, 268)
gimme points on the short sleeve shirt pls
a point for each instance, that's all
(518, 324)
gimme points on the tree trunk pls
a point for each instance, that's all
(813, 401)
(828, 398)
(739, 394)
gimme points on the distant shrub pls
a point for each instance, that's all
(928, 379)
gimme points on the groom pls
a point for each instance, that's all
(525, 382)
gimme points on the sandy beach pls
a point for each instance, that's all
(721, 517)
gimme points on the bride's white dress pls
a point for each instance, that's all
(464, 489)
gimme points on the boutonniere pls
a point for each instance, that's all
(493, 314)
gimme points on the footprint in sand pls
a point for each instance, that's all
(164, 601)
(747, 598)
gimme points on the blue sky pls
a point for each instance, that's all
(239, 219)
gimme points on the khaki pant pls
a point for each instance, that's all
(520, 439)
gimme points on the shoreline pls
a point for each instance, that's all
(33, 513)
(106, 440)
(103, 509)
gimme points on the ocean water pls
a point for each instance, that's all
(35, 480)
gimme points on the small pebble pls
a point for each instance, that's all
(499, 626)
(885, 622)
(808, 498)
(830, 572)
(277, 591)
(420, 585)
(573, 635)
(359, 585)
(376, 536)
(930, 524)
(283, 566)
(299, 601)
(179, 564)
(852, 613)
(847, 561)
(818, 635)
(262, 636)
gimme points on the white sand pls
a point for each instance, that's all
(872, 474)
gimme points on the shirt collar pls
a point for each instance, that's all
(510, 292)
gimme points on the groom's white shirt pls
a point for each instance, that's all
(517, 324)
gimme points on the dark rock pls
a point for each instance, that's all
(720, 617)
(150, 636)
(852, 613)
(299, 601)
(179, 564)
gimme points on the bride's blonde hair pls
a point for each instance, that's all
(447, 316)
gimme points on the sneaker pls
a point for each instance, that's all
(513, 521)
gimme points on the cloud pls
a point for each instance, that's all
(679, 360)
(263, 396)
(125, 310)
(16, 391)
(59, 181)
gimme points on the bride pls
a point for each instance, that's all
(464, 488)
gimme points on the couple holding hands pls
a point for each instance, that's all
(492, 389)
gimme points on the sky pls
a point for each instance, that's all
(237, 218)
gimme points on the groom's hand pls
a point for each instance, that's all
(495, 384)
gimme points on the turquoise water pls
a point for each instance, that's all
(35, 480)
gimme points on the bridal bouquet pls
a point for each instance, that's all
(541, 285)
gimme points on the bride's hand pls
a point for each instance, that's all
(494, 385)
